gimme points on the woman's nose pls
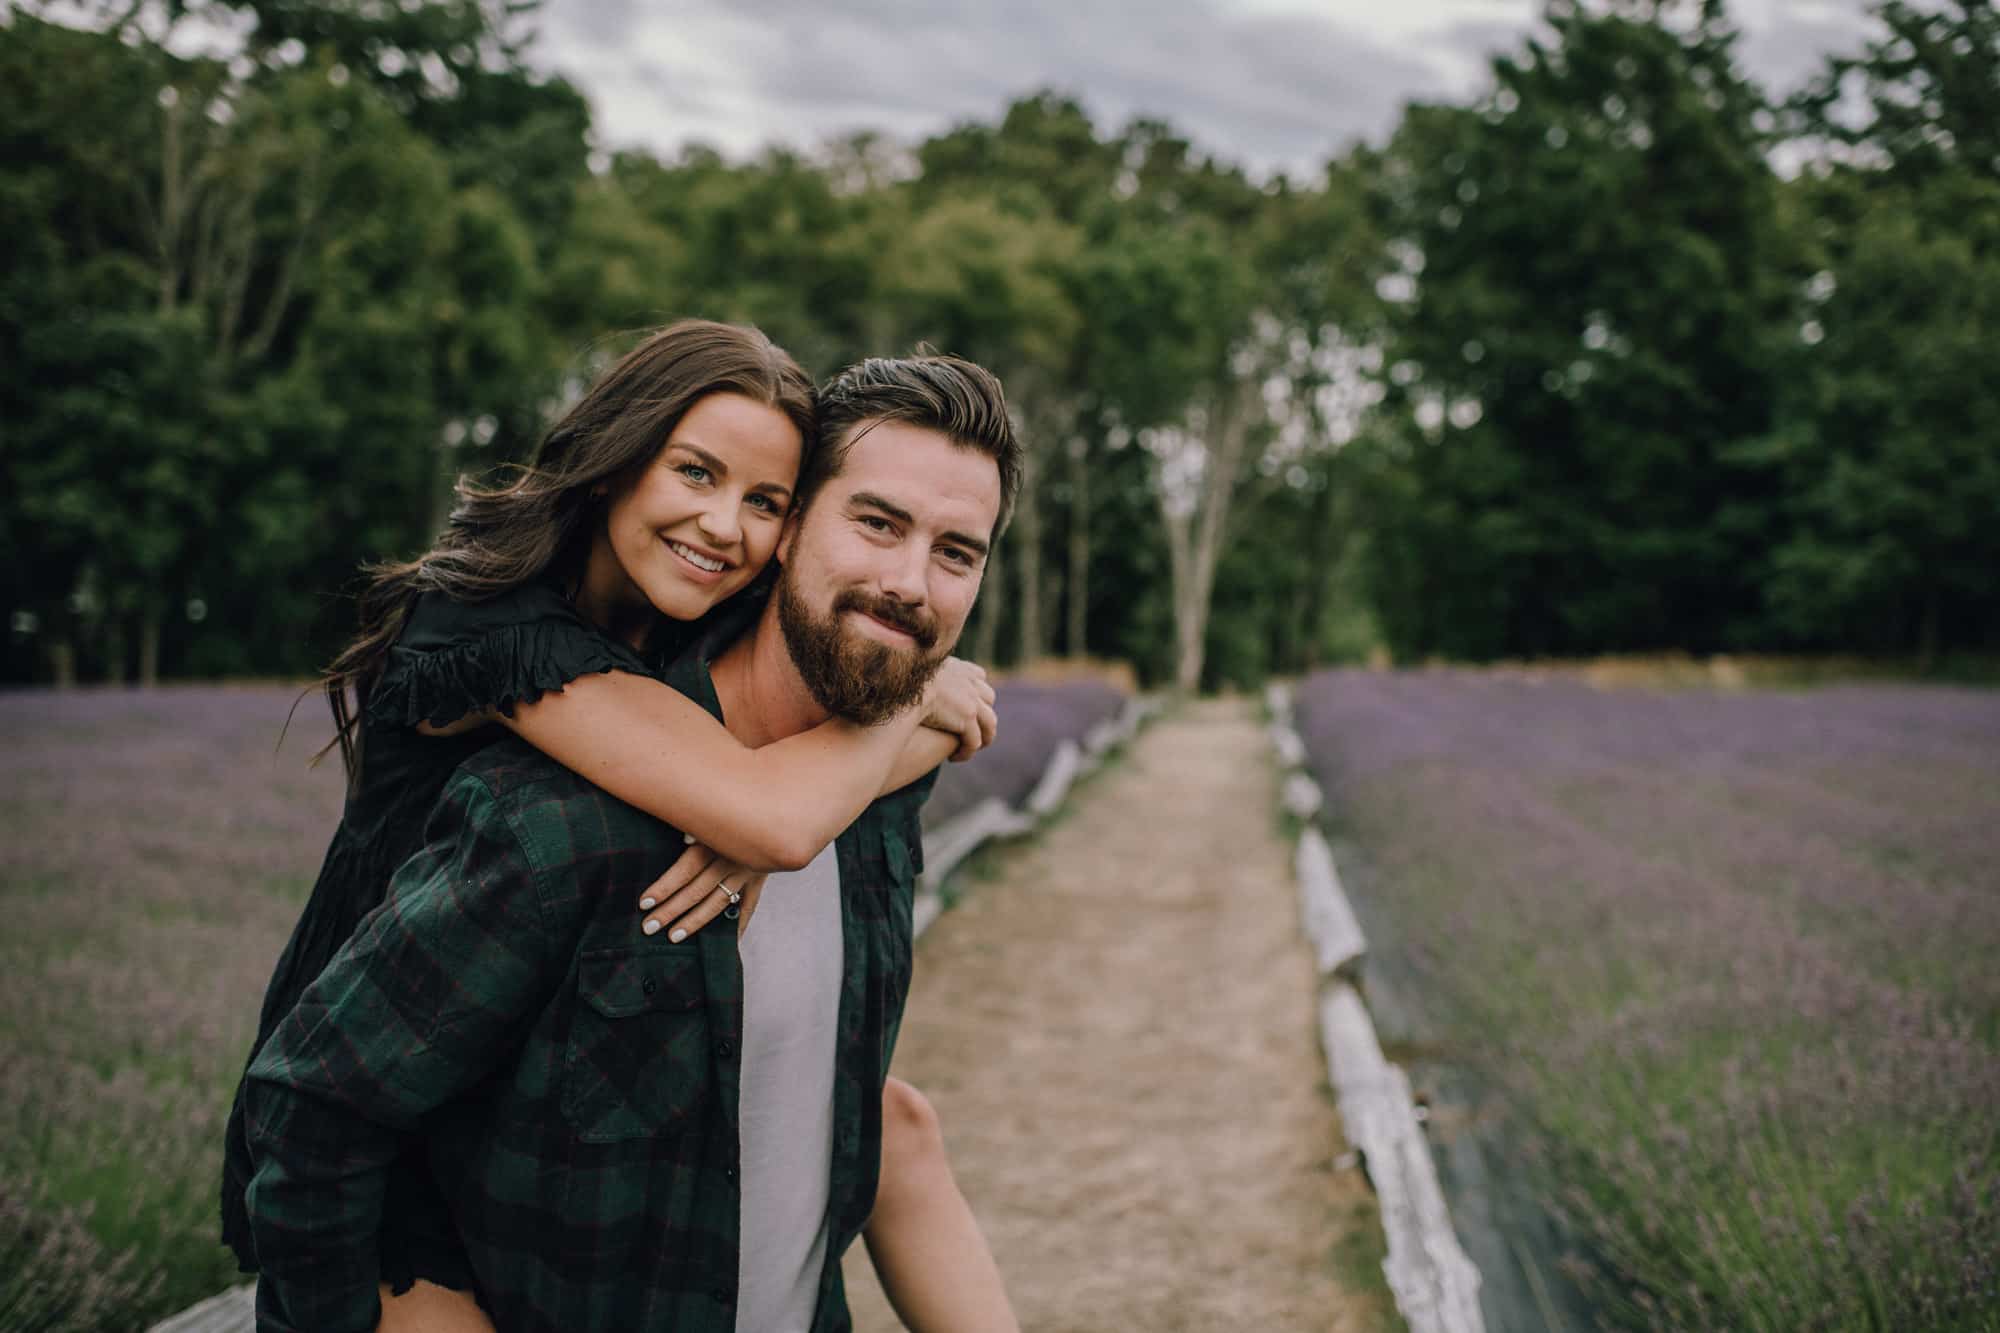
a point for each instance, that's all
(719, 522)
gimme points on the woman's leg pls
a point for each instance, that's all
(926, 1245)
(429, 1308)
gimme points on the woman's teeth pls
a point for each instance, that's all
(697, 559)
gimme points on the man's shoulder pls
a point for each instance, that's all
(515, 774)
(552, 809)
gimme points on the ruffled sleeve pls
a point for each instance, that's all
(454, 658)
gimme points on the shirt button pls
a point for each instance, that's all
(724, 1049)
(729, 1174)
(649, 986)
(723, 1296)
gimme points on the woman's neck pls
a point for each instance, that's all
(605, 596)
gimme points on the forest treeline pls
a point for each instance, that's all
(1622, 355)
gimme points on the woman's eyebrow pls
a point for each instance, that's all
(721, 469)
(706, 459)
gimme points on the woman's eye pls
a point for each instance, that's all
(694, 472)
(766, 503)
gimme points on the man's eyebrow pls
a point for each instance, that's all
(969, 542)
(870, 500)
(721, 469)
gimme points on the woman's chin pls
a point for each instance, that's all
(684, 601)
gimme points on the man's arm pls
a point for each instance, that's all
(412, 1011)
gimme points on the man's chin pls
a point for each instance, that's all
(878, 680)
(850, 672)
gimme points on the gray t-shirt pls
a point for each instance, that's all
(792, 958)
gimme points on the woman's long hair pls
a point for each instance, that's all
(540, 517)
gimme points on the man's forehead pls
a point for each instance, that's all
(924, 471)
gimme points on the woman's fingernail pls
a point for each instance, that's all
(687, 837)
(646, 904)
(678, 936)
(651, 927)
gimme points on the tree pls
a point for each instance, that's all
(1885, 442)
(1924, 99)
(1582, 329)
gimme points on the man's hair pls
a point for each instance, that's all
(947, 394)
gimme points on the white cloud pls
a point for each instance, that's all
(1274, 84)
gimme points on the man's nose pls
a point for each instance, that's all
(903, 575)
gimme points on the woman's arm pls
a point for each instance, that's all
(771, 808)
(960, 723)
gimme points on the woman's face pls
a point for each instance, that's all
(699, 521)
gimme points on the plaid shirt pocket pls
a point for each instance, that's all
(637, 1062)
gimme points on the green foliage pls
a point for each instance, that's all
(1887, 451)
(1564, 370)
(1591, 253)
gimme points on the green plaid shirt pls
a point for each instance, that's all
(574, 1082)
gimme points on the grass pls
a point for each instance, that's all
(1730, 955)
(155, 848)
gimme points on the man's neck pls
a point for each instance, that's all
(763, 697)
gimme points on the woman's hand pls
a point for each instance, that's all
(959, 700)
(695, 890)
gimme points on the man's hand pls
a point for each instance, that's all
(959, 700)
(695, 890)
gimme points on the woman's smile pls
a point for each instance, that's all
(702, 561)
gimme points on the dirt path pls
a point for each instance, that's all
(1117, 1029)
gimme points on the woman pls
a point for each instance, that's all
(652, 507)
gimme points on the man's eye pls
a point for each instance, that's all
(875, 522)
(956, 556)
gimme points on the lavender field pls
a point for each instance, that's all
(1731, 960)
(154, 851)
(1035, 718)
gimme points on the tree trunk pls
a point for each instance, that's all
(62, 661)
(1028, 563)
(1075, 635)
(1190, 634)
(1194, 539)
(114, 649)
(1928, 631)
(1319, 579)
(986, 634)
(149, 647)
(1189, 630)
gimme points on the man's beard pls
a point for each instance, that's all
(859, 679)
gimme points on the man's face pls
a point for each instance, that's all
(881, 570)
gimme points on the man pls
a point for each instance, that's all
(604, 1110)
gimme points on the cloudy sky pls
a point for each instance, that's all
(1270, 83)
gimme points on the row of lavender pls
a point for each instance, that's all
(1035, 719)
(1728, 963)
(154, 851)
